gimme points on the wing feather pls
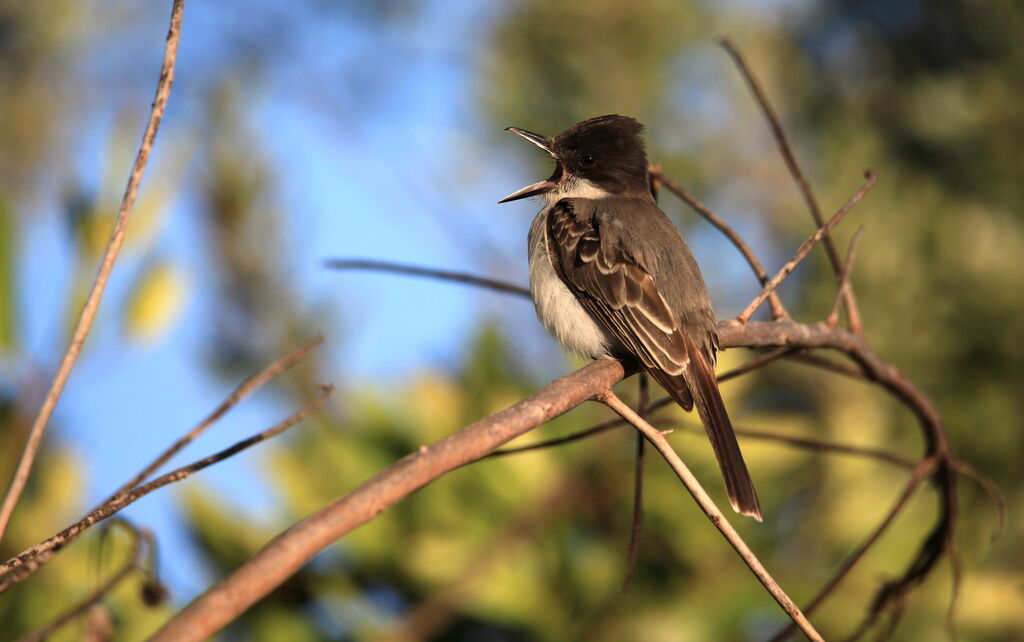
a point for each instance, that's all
(591, 255)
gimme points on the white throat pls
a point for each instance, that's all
(574, 187)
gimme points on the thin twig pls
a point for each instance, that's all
(707, 505)
(815, 444)
(806, 246)
(844, 278)
(243, 390)
(756, 363)
(923, 470)
(811, 359)
(131, 564)
(444, 275)
(747, 367)
(92, 301)
(794, 169)
(993, 492)
(111, 507)
(638, 489)
(778, 311)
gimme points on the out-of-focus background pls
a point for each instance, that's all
(301, 131)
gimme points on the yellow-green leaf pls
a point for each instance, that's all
(155, 303)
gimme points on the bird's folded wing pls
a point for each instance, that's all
(589, 252)
(588, 249)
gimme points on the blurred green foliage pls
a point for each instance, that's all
(533, 546)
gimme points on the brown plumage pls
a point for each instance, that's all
(611, 276)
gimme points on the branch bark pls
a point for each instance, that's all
(285, 554)
(707, 505)
(852, 311)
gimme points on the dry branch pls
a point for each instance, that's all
(642, 409)
(853, 315)
(281, 557)
(92, 301)
(430, 273)
(921, 472)
(807, 245)
(244, 389)
(119, 501)
(778, 311)
(707, 505)
(286, 553)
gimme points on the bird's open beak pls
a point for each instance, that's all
(539, 187)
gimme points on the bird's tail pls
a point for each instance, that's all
(697, 386)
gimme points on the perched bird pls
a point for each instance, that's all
(610, 276)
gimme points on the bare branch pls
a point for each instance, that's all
(443, 275)
(286, 553)
(794, 169)
(244, 389)
(993, 492)
(707, 505)
(756, 363)
(638, 488)
(747, 367)
(814, 444)
(118, 502)
(818, 361)
(806, 246)
(92, 301)
(281, 557)
(778, 311)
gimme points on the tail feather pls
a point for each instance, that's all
(697, 386)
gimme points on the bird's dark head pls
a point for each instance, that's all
(599, 156)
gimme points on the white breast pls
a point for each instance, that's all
(557, 308)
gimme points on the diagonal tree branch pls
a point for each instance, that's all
(707, 505)
(287, 552)
(281, 557)
(921, 472)
(92, 301)
(130, 565)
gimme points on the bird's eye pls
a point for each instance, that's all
(587, 160)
